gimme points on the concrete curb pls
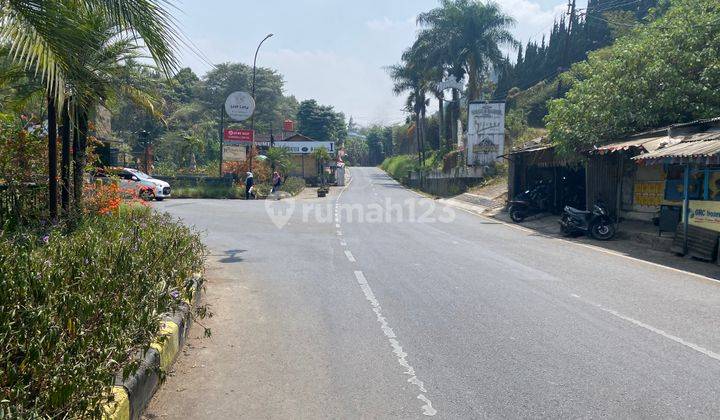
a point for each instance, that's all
(131, 396)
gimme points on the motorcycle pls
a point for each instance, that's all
(530, 202)
(596, 223)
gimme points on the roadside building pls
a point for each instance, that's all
(628, 190)
(301, 150)
(537, 162)
(690, 159)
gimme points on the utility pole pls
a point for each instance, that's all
(221, 135)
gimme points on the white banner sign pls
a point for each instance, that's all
(449, 84)
(486, 132)
(234, 152)
(306, 147)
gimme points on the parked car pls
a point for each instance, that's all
(148, 187)
(145, 186)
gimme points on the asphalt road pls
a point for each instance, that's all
(441, 313)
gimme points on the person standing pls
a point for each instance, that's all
(276, 181)
(249, 183)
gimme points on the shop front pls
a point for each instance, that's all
(691, 196)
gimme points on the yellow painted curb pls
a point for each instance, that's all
(119, 407)
(169, 347)
(196, 277)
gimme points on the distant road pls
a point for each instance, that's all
(443, 313)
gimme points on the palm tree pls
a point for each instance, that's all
(322, 157)
(474, 32)
(408, 77)
(45, 35)
(430, 58)
(104, 72)
(279, 159)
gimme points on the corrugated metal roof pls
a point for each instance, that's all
(645, 144)
(699, 146)
(533, 145)
(697, 122)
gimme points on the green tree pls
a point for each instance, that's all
(474, 32)
(408, 78)
(60, 40)
(271, 106)
(375, 145)
(321, 123)
(662, 73)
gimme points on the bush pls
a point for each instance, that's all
(293, 185)
(76, 308)
(399, 166)
(206, 191)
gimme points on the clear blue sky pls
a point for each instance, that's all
(330, 50)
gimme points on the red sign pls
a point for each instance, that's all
(289, 125)
(239, 136)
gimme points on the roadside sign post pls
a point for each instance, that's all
(222, 129)
(239, 106)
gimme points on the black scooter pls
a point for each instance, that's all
(595, 223)
(530, 202)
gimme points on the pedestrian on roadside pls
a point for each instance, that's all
(249, 184)
(276, 181)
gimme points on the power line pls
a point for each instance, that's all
(614, 5)
(635, 25)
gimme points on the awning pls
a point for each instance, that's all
(703, 148)
(643, 145)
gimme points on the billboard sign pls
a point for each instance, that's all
(705, 214)
(239, 106)
(451, 83)
(238, 136)
(486, 132)
(234, 152)
(305, 147)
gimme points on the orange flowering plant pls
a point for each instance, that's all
(106, 198)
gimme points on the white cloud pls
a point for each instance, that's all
(385, 24)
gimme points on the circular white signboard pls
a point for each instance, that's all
(239, 106)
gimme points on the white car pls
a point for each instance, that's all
(149, 187)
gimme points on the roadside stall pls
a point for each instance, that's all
(536, 162)
(692, 189)
(629, 190)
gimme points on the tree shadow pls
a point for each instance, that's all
(231, 256)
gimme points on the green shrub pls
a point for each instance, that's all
(76, 308)
(293, 185)
(206, 191)
(399, 166)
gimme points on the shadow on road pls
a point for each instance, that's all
(231, 256)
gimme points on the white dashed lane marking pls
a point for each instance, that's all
(397, 349)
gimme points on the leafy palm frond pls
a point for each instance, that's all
(55, 37)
